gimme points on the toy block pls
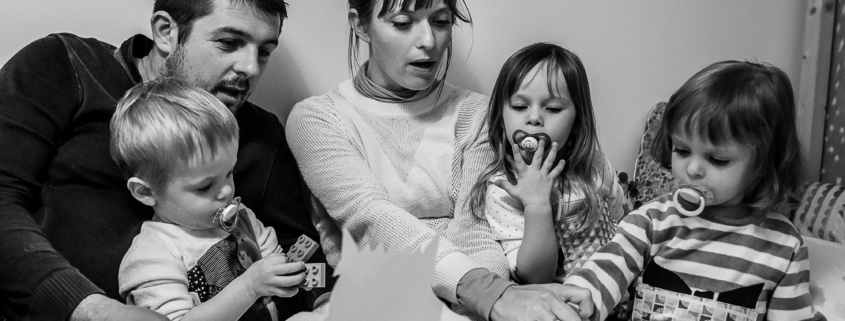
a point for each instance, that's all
(315, 276)
(302, 250)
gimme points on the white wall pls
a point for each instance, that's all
(636, 52)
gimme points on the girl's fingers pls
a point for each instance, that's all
(517, 159)
(550, 159)
(538, 154)
(507, 186)
(555, 172)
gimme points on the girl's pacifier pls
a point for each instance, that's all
(227, 215)
(690, 200)
(530, 142)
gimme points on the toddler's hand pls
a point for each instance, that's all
(535, 181)
(274, 276)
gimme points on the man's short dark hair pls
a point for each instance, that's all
(185, 12)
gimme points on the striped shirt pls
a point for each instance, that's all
(709, 252)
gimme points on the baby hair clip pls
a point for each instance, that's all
(227, 215)
(530, 142)
(691, 200)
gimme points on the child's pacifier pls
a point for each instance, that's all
(530, 142)
(691, 200)
(227, 215)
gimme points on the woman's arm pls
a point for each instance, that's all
(335, 170)
(471, 232)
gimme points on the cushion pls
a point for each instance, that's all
(652, 179)
(820, 211)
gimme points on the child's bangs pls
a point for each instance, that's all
(201, 137)
(410, 5)
(187, 129)
(199, 146)
(521, 72)
(713, 125)
(556, 75)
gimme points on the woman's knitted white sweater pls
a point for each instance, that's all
(397, 174)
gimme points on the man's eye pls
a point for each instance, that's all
(228, 44)
(401, 24)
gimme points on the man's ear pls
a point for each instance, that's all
(141, 191)
(358, 25)
(165, 32)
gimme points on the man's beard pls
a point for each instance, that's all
(236, 87)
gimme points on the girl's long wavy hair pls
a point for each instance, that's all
(580, 149)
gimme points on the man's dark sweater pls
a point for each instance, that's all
(66, 216)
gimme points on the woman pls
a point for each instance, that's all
(393, 153)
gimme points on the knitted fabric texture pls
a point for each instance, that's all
(358, 155)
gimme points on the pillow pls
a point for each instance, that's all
(652, 179)
(820, 212)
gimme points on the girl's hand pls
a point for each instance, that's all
(535, 181)
(274, 276)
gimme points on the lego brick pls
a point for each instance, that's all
(315, 276)
(302, 250)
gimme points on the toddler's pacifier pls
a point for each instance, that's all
(690, 200)
(227, 215)
(530, 142)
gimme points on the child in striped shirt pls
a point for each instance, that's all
(716, 245)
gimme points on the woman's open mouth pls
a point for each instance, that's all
(425, 65)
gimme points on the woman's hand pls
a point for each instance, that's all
(546, 302)
(534, 182)
(274, 276)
